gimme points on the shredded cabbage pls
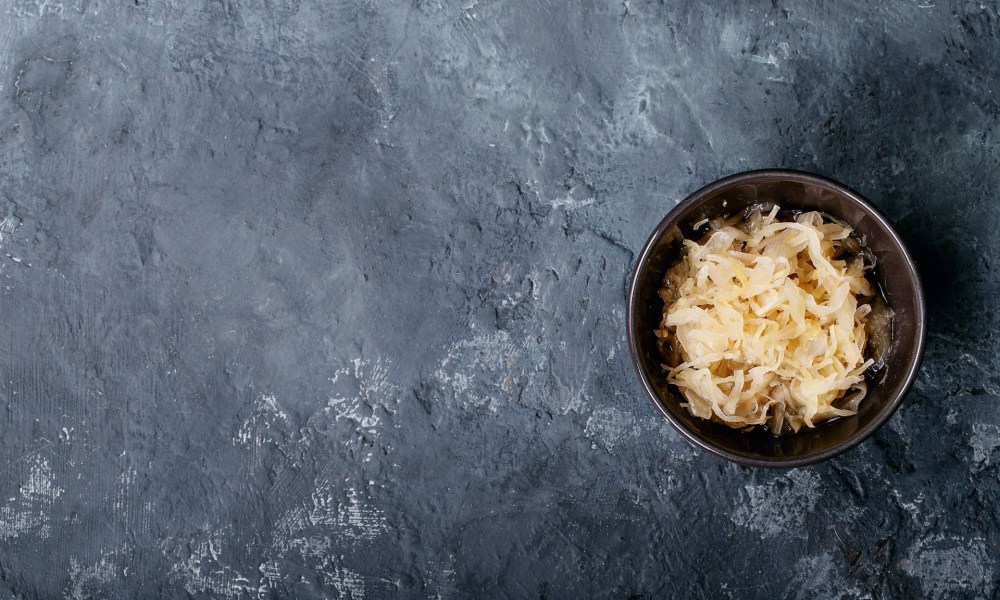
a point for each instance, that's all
(765, 321)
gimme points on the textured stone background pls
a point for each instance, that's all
(325, 298)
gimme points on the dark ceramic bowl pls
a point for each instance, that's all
(894, 272)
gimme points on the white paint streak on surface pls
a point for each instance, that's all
(492, 358)
(7, 227)
(732, 40)
(203, 571)
(357, 521)
(349, 585)
(27, 513)
(120, 502)
(37, 8)
(985, 369)
(310, 529)
(913, 508)
(779, 508)
(257, 430)
(952, 565)
(443, 585)
(363, 394)
(609, 426)
(985, 439)
(570, 203)
(90, 581)
(270, 577)
(770, 59)
(315, 533)
(817, 578)
(577, 402)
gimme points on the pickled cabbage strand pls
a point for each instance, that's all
(767, 321)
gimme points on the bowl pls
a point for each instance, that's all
(894, 272)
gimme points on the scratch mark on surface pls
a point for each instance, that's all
(28, 456)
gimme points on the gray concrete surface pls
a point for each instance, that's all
(324, 299)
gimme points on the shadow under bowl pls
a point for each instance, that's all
(894, 272)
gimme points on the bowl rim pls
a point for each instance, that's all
(787, 175)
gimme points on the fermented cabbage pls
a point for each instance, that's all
(764, 321)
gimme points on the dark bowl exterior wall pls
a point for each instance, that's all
(894, 271)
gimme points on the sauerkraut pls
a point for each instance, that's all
(764, 321)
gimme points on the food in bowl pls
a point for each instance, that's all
(769, 320)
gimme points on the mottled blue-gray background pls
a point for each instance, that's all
(325, 299)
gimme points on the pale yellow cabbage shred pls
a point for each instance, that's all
(769, 324)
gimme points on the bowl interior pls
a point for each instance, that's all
(894, 272)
